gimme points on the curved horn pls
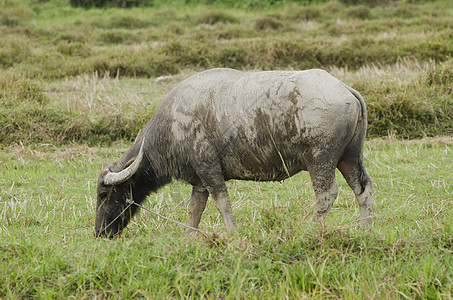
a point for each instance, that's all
(112, 178)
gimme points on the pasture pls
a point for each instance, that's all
(76, 85)
(48, 249)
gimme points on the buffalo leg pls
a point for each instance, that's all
(197, 205)
(215, 184)
(326, 191)
(210, 173)
(222, 201)
(360, 182)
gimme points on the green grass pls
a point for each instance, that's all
(54, 40)
(407, 100)
(96, 67)
(72, 79)
(47, 248)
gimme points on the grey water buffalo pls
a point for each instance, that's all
(224, 124)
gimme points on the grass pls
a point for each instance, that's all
(76, 85)
(53, 40)
(97, 67)
(409, 99)
(47, 248)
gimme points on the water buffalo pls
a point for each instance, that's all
(224, 124)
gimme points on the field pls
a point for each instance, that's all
(76, 85)
(48, 250)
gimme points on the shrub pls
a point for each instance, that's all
(234, 31)
(118, 37)
(74, 49)
(113, 37)
(359, 12)
(174, 28)
(110, 3)
(71, 37)
(403, 12)
(403, 110)
(126, 21)
(441, 74)
(10, 21)
(433, 49)
(334, 6)
(267, 23)
(214, 16)
(16, 90)
(12, 16)
(12, 51)
(305, 13)
(368, 2)
(27, 116)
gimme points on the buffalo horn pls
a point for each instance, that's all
(112, 178)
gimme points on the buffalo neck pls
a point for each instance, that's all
(152, 174)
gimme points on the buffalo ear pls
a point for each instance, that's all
(129, 162)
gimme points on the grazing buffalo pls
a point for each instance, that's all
(224, 124)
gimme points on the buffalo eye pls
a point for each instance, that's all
(103, 195)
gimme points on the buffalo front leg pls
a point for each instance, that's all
(209, 170)
(197, 205)
(222, 201)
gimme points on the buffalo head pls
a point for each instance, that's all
(115, 194)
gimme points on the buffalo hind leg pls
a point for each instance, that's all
(197, 205)
(360, 182)
(326, 191)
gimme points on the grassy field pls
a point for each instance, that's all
(47, 248)
(76, 85)
(75, 67)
